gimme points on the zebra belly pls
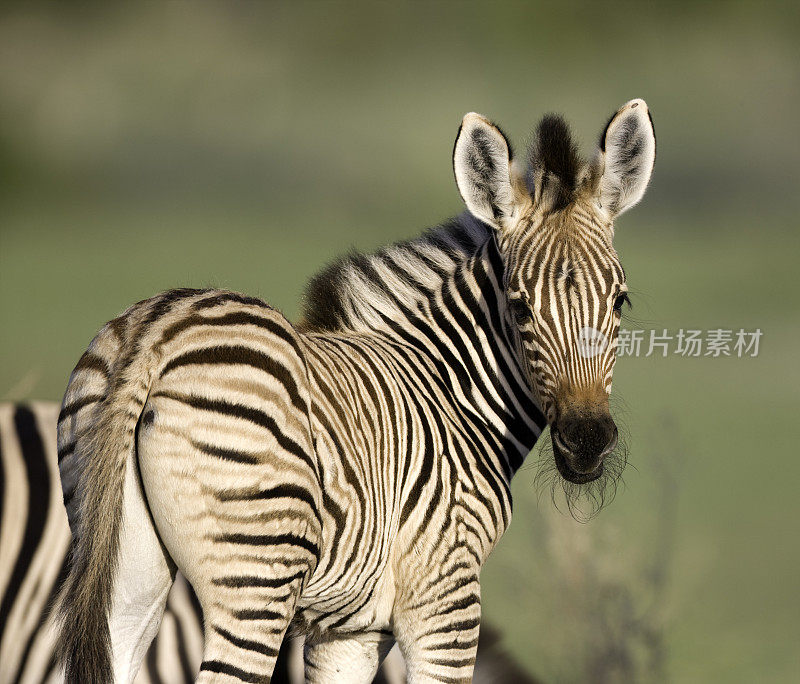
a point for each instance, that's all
(351, 613)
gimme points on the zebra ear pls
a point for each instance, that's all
(482, 166)
(625, 158)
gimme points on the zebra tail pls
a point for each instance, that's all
(102, 454)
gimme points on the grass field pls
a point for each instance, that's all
(142, 149)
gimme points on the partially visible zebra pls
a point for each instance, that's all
(34, 538)
(346, 478)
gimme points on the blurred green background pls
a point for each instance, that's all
(237, 145)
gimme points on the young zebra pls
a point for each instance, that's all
(350, 475)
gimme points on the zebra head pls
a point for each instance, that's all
(552, 220)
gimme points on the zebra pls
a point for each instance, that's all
(35, 538)
(345, 477)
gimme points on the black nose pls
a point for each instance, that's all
(588, 438)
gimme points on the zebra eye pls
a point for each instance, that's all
(620, 300)
(520, 309)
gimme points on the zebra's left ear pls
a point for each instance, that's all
(625, 158)
(482, 166)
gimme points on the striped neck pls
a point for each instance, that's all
(443, 294)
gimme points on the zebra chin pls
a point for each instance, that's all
(584, 493)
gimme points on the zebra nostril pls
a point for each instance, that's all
(567, 441)
(612, 443)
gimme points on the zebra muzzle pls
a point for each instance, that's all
(580, 446)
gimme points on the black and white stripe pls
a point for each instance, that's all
(35, 537)
(346, 477)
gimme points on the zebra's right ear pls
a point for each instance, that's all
(482, 166)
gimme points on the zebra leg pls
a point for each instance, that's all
(248, 599)
(248, 589)
(242, 644)
(355, 658)
(438, 633)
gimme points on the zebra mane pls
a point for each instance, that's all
(553, 157)
(359, 292)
